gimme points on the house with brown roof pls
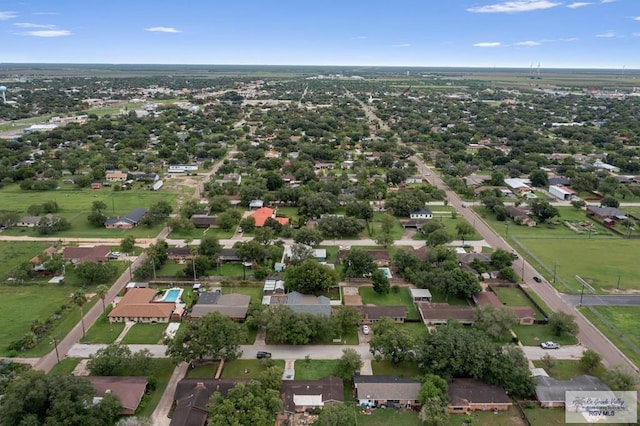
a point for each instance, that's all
(128, 390)
(373, 314)
(299, 396)
(234, 306)
(179, 254)
(526, 315)
(466, 395)
(203, 220)
(77, 255)
(192, 397)
(115, 176)
(440, 313)
(138, 305)
(386, 391)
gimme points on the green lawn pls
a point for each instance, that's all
(26, 303)
(533, 335)
(13, 253)
(164, 370)
(290, 212)
(232, 270)
(75, 205)
(404, 369)
(397, 231)
(237, 368)
(417, 329)
(401, 298)
(438, 296)
(566, 369)
(254, 291)
(206, 371)
(145, 334)
(65, 366)
(314, 369)
(380, 417)
(512, 296)
(510, 417)
(444, 217)
(620, 325)
(598, 261)
(547, 416)
(102, 331)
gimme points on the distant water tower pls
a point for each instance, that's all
(3, 90)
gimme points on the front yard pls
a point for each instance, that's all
(314, 369)
(533, 335)
(247, 368)
(145, 334)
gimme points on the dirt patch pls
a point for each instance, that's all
(618, 291)
(352, 300)
(81, 368)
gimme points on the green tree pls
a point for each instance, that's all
(501, 259)
(310, 277)
(358, 263)
(380, 282)
(463, 229)
(563, 323)
(119, 360)
(434, 412)
(620, 379)
(308, 236)
(300, 253)
(264, 235)
(539, 178)
(96, 273)
(578, 204)
(79, 298)
(284, 326)
(245, 404)
(98, 206)
(590, 360)
(346, 318)
(496, 322)
(97, 218)
(548, 362)
(336, 415)
(391, 342)
(349, 364)
(102, 291)
(609, 202)
(209, 246)
(213, 336)
(543, 210)
(127, 244)
(438, 238)
(432, 387)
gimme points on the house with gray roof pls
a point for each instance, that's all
(387, 391)
(551, 392)
(302, 395)
(234, 306)
(304, 303)
(127, 221)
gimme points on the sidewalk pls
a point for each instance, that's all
(159, 416)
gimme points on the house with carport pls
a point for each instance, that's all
(386, 391)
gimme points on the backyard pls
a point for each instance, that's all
(14, 253)
(400, 298)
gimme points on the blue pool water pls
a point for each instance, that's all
(172, 295)
(386, 272)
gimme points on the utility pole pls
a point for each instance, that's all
(581, 294)
(618, 286)
(522, 274)
(55, 344)
(555, 269)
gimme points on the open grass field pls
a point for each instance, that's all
(145, 334)
(314, 369)
(401, 298)
(376, 224)
(14, 253)
(533, 335)
(22, 304)
(620, 324)
(598, 261)
(404, 369)
(566, 369)
(75, 206)
(253, 368)
(102, 331)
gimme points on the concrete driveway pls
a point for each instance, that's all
(534, 353)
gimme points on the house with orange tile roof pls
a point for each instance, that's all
(138, 305)
(261, 215)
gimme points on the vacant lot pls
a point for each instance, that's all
(247, 368)
(515, 297)
(315, 369)
(404, 369)
(620, 325)
(533, 335)
(75, 206)
(14, 253)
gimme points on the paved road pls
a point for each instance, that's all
(602, 299)
(534, 353)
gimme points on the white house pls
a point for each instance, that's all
(183, 168)
(423, 213)
(561, 192)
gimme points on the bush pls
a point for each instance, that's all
(395, 289)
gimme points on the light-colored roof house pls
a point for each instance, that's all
(137, 305)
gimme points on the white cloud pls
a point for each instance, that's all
(528, 43)
(31, 25)
(607, 1)
(514, 6)
(635, 34)
(162, 30)
(578, 4)
(488, 44)
(401, 45)
(47, 13)
(7, 15)
(359, 38)
(608, 34)
(48, 33)
(637, 18)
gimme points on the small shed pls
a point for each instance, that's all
(420, 295)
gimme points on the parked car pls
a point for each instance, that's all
(514, 255)
(549, 345)
(365, 329)
(537, 279)
(263, 354)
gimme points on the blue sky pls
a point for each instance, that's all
(518, 33)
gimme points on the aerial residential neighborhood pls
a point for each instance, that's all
(318, 246)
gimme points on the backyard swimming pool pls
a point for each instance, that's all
(386, 272)
(172, 295)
